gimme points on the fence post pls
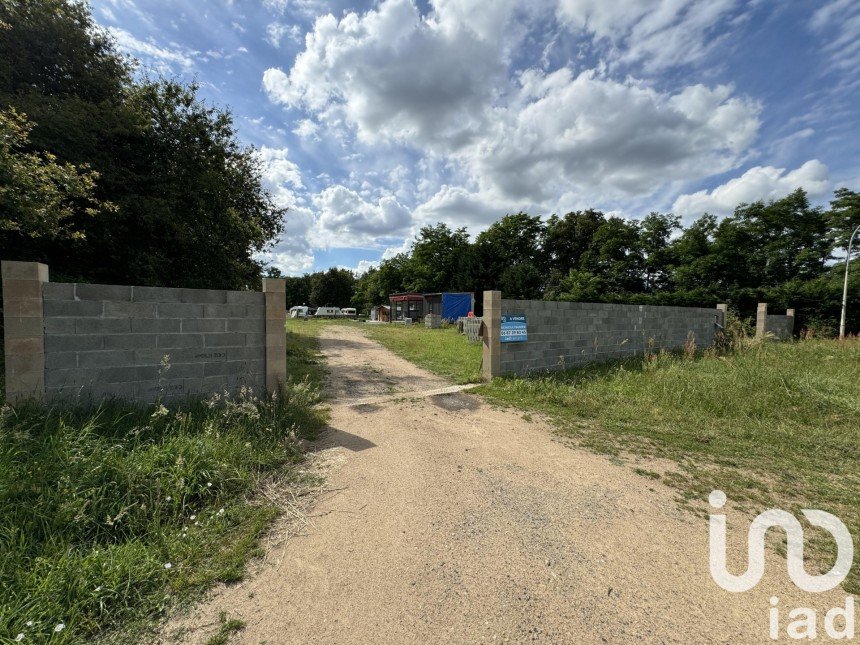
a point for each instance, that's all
(276, 334)
(23, 330)
(790, 325)
(761, 320)
(492, 349)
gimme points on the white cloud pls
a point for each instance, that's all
(364, 266)
(843, 18)
(758, 183)
(346, 219)
(657, 33)
(306, 129)
(608, 139)
(162, 57)
(278, 171)
(276, 31)
(394, 75)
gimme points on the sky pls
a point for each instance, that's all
(374, 119)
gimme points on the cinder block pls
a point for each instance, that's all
(224, 340)
(156, 294)
(276, 301)
(18, 364)
(72, 308)
(102, 292)
(125, 374)
(23, 327)
(224, 311)
(129, 341)
(69, 378)
(257, 340)
(209, 325)
(60, 360)
(22, 308)
(180, 310)
(100, 391)
(59, 325)
(184, 370)
(210, 296)
(58, 291)
(170, 341)
(245, 298)
(251, 325)
(103, 326)
(156, 325)
(128, 309)
(226, 368)
(17, 289)
(274, 285)
(24, 346)
(105, 358)
(13, 269)
(72, 343)
(246, 353)
(215, 384)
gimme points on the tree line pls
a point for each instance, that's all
(785, 252)
(108, 175)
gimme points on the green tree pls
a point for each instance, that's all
(190, 207)
(332, 288)
(655, 236)
(512, 241)
(39, 196)
(844, 216)
(437, 255)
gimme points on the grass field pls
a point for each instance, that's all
(442, 351)
(109, 516)
(772, 425)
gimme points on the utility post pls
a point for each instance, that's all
(845, 286)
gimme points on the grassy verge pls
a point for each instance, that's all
(442, 351)
(772, 425)
(304, 360)
(108, 516)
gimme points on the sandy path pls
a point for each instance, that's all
(452, 521)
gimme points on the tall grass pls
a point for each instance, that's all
(109, 515)
(770, 423)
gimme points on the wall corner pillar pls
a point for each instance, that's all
(761, 320)
(790, 322)
(722, 314)
(274, 290)
(492, 345)
(24, 330)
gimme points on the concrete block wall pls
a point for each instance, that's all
(145, 343)
(778, 327)
(568, 334)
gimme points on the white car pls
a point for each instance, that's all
(328, 312)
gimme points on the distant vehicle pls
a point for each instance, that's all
(328, 312)
(349, 312)
(299, 312)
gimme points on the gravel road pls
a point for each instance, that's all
(448, 520)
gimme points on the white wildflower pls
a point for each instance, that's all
(168, 566)
(169, 498)
(221, 512)
(29, 623)
(193, 517)
(19, 637)
(209, 485)
(99, 588)
(59, 628)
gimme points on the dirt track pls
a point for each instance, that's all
(452, 521)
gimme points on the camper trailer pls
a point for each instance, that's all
(299, 312)
(328, 312)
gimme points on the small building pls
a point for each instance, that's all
(406, 305)
(382, 313)
(450, 306)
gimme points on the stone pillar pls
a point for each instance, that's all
(23, 330)
(492, 324)
(276, 334)
(790, 323)
(761, 320)
(722, 313)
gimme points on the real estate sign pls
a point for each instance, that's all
(514, 329)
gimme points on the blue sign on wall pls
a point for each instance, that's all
(514, 329)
